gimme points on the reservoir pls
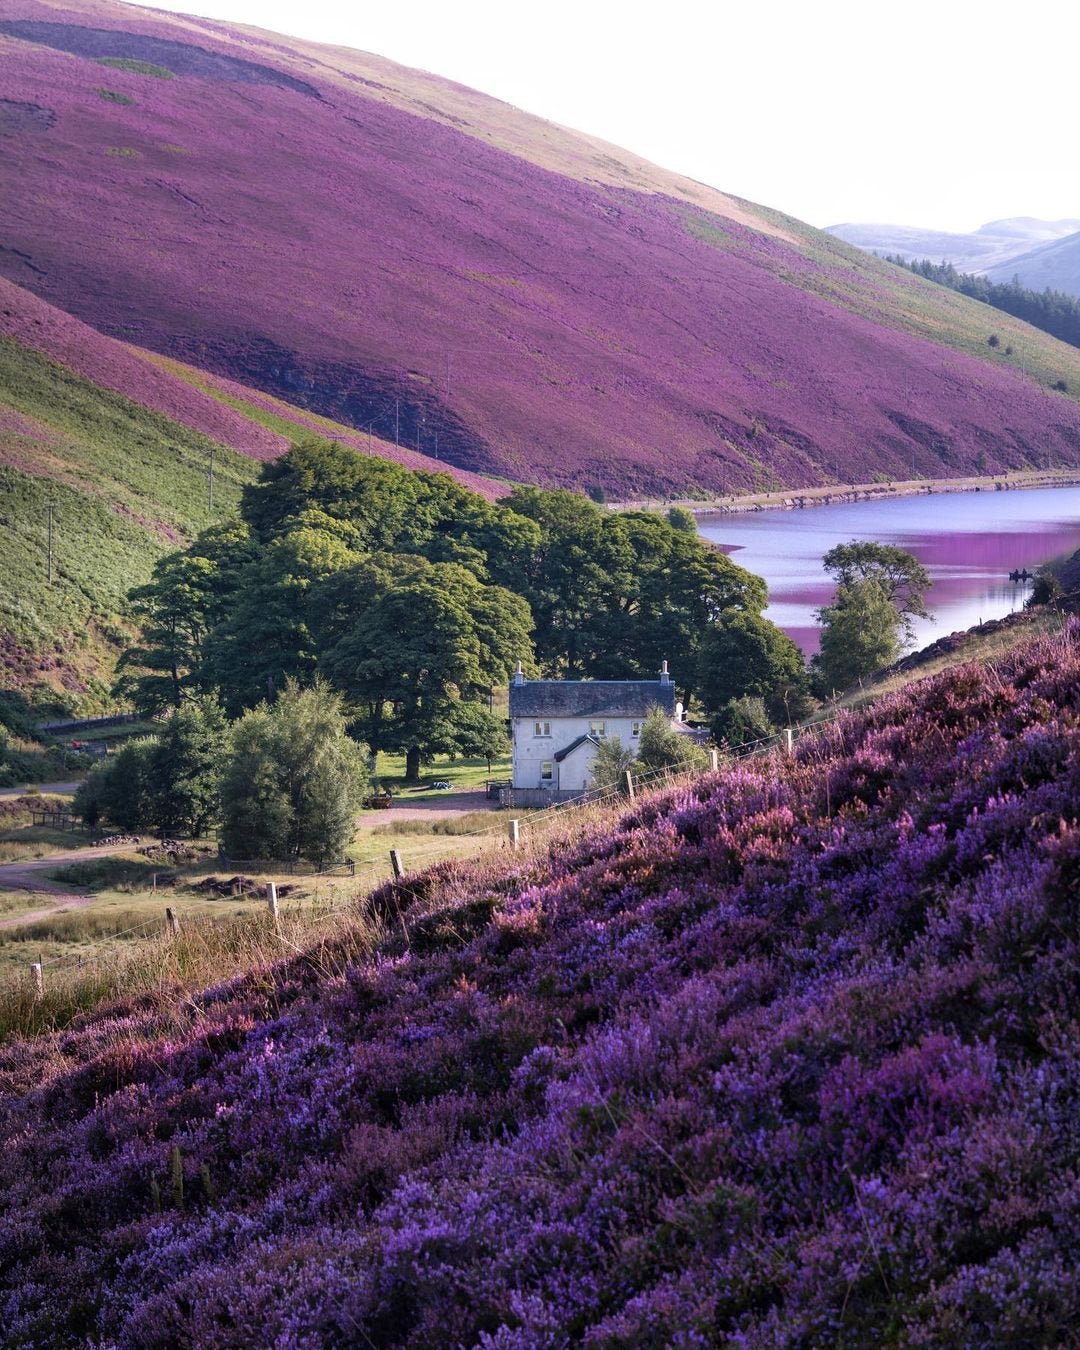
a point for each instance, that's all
(969, 542)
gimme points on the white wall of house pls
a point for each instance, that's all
(536, 741)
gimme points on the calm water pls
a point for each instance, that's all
(968, 541)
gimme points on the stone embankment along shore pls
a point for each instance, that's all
(792, 499)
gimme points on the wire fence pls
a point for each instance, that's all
(526, 832)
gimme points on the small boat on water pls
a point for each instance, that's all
(1022, 575)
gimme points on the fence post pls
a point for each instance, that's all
(630, 785)
(395, 863)
(153, 881)
(515, 838)
(173, 923)
(714, 759)
(38, 978)
(789, 741)
(271, 899)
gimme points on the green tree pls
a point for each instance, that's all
(742, 721)
(660, 746)
(610, 763)
(902, 578)
(185, 770)
(161, 670)
(267, 637)
(860, 634)
(294, 779)
(435, 639)
(679, 518)
(120, 788)
(745, 654)
(187, 595)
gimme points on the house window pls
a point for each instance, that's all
(598, 729)
(635, 729)
(541, 728)
(547, 771)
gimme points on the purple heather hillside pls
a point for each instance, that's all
(787, 1058)
(538, 310)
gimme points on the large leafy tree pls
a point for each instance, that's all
(616, 594)
(901, 577)
(163, 667)
(185, 770)
(437, 638)
(267, 637)
(188, 594)
(744, 654)
(860, 634)
(294, 778)
(120, 788)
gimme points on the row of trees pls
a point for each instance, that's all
(1053, 311)
(413, 597)
(284, 781)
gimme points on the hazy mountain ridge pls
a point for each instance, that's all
(383, 247)
(1052, 266)
(984, 250)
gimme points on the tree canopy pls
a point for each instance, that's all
(414, 596)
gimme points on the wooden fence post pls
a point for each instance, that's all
(515, 837)
(789, 741)
(38, 978)
(172, 923)
(630, 785)
(714, 759)
(271, 899)
(153, 881)
(395, 863)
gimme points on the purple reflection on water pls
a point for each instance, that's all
(968, 541)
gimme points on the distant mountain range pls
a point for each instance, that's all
(1042, 253)
(390, 250)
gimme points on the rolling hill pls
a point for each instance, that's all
(385, 248)
(785, 1056)
(120, 443)
(1053, 266)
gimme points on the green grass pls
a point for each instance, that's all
(463, 773)
(851, 278)
(113, 96)
(136, 67)
(126, 485)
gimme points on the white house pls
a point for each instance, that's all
(557, 725)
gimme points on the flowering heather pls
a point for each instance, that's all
(788, 1058)
(352, 244)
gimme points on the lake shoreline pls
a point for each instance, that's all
(795, 499)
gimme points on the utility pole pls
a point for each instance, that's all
(210, 484)
(397, 421)
(436, 445)
(50, 543)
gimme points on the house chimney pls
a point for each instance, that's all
(519, 675)
(665, 678)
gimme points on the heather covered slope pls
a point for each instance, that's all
(356, 238)
(786, 1059)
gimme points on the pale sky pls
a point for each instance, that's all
(944, 114)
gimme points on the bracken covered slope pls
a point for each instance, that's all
(786, 1059)
(379, 245)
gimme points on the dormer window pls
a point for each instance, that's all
(541, 728)
(598, 729)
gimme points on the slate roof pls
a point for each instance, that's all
(560, 755)
(590, 698)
